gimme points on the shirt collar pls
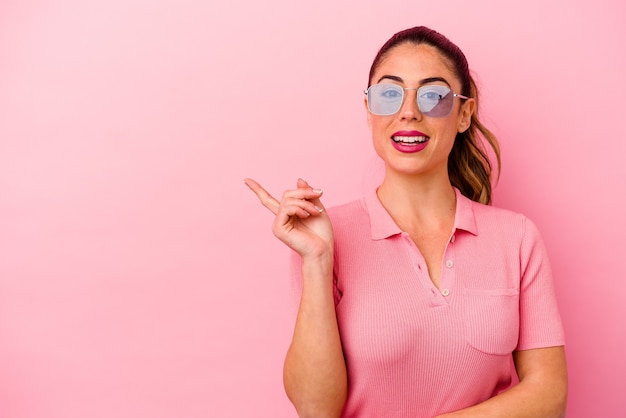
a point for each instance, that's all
(383, 226)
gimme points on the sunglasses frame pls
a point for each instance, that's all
(417, 89)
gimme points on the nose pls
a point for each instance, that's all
(410, 110)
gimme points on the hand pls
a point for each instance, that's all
(301, 221)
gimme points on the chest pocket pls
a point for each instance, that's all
(492, 319)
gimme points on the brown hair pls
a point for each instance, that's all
(469, 167)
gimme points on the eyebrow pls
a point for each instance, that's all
(424, 81)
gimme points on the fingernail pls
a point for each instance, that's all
(320, 210)
(318, 191)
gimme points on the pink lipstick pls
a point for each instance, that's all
(409, 141)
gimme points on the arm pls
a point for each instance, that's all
(315, 371)
(542, 391)
(315, 375)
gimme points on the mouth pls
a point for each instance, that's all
(409, 137)
(410, 140)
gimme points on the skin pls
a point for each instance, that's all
(412, 66)
(314, 373)
(417, 193)
(416, 190)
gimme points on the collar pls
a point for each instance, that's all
(383, 226)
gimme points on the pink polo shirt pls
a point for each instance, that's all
(415, 350)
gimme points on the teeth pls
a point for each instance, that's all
(410, 139)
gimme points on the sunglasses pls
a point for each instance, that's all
(434, 100)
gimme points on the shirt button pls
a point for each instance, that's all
(445, 292)
(449, 264)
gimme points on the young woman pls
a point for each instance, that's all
(416, 297)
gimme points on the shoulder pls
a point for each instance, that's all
(494, 226)
(347, 212)
(351, 221)
(489, 211)
(501, 220)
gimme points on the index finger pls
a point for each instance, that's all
(266, 199)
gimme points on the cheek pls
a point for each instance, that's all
(378, 124)
(449, 133)
(379, 135)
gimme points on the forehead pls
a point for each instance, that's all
(415, 62)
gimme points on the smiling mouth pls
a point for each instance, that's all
(410, 139)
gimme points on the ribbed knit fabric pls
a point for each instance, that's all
(414, 350)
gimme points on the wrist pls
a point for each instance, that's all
(318, 263)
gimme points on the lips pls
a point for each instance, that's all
(409, 142)
(410, 138)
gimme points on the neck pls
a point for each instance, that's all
(417, 203)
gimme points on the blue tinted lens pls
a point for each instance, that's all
(384, 99)
(435, 101)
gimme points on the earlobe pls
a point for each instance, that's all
(369, 115)
(464, 124)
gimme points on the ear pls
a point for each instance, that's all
(465, 115)
(369, 115)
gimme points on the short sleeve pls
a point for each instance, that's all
(540, 322)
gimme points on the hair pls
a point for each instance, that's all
(469, 167)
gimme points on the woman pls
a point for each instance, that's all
(415, 298)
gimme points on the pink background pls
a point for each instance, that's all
(139, 277)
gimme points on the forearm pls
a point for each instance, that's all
(315, 372)
(542, 391)
(521, 401)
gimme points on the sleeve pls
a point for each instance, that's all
(540, 321)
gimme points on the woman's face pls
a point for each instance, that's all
(409, 142)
